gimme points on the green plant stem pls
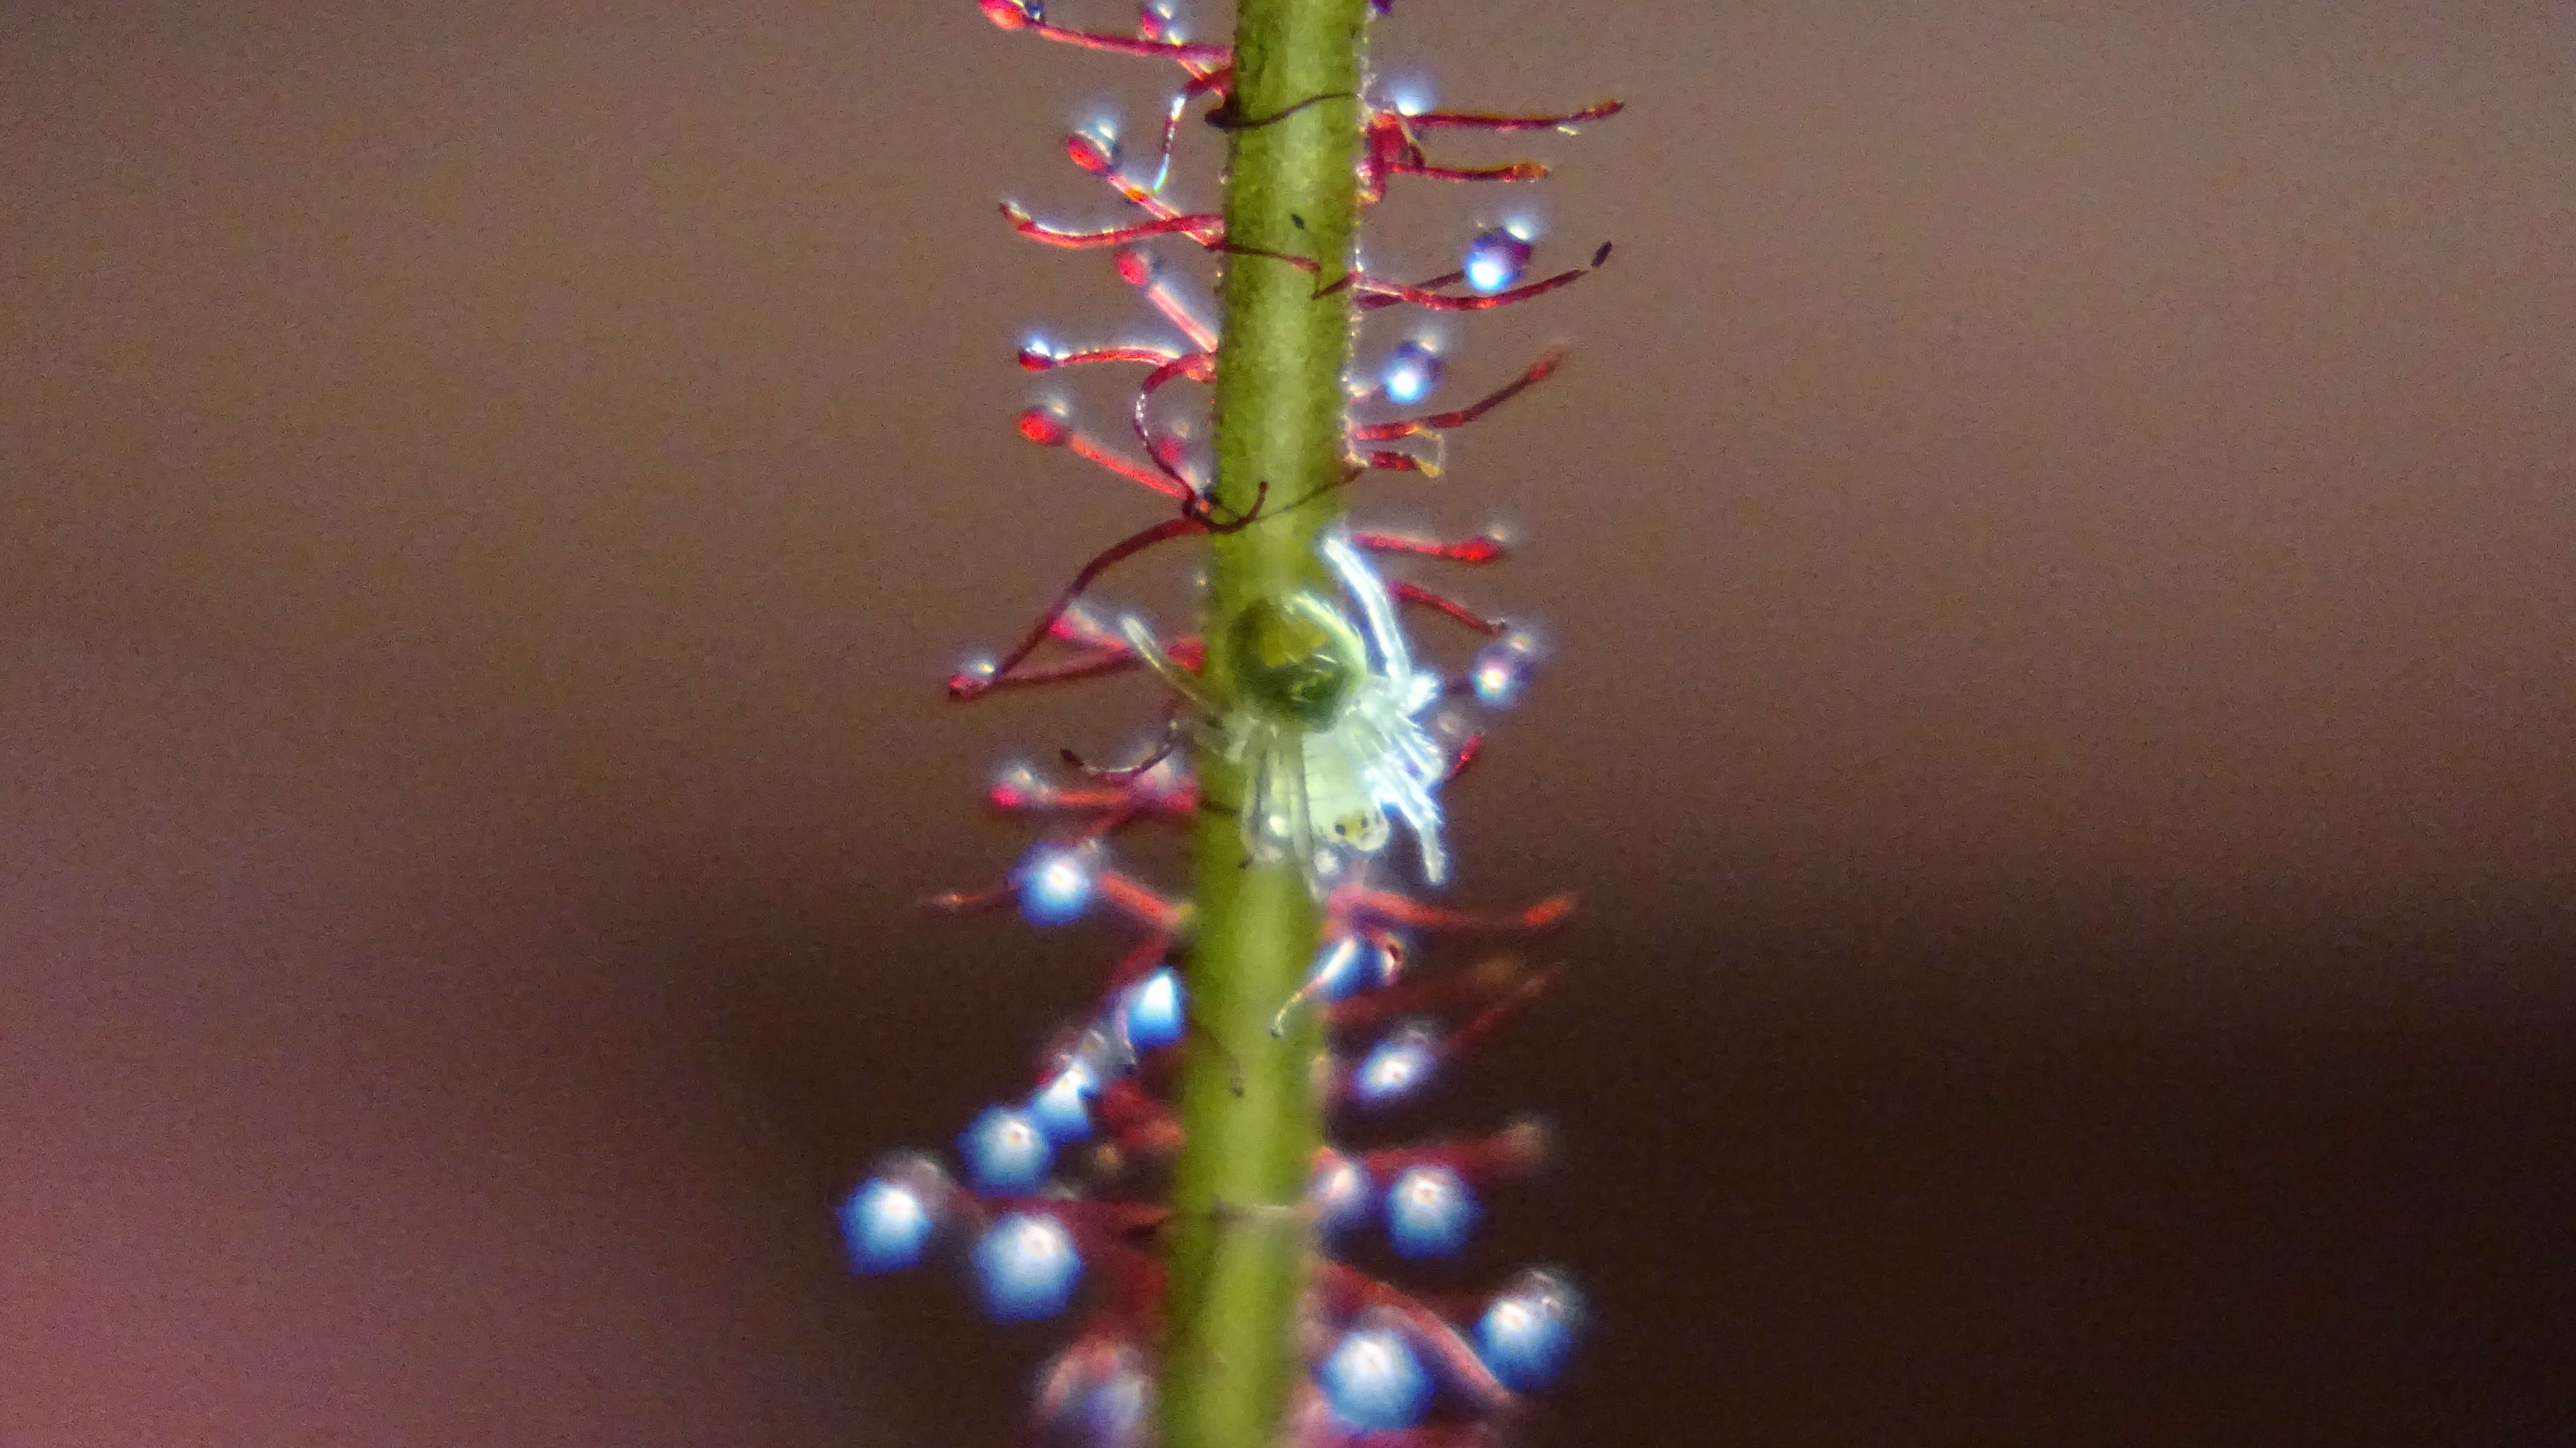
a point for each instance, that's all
(1238, 1243)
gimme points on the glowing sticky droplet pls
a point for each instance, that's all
(1430, 1212)
(1501, 671)
(891, 1217)
(1113, 1410)
(1411, 371)
(1496, 259)
(1338, 1191)
(1062, 1107)
(1005, 1151)
(1401, 1064)
(1152, 1014)
(1027, 1267)
(1055, 885)
(1529, 1330)
(1374, 1383)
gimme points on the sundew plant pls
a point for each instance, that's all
(1179, 1177)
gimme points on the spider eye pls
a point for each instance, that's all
(1296, 661)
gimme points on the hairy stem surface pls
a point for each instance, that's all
(1238, 1244)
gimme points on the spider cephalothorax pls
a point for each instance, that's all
(1322, 725)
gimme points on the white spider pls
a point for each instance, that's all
(1322, 726)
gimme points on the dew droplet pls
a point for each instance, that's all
(1152, 1015)
(1027, 1267)
(1055, 885)
(1005, 1152)
(1338, 1191)
(1399, 1065)
(887, 1222)
(1429, 1212)
(1374, 1382)
(1062, 1107)
(1111, 1407)
(1411, 370)
(1501, 670)
(1496, 259)
(1528, 1331)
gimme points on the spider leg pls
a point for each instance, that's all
(1394, 658)
(1301, 822)
(1150, 649)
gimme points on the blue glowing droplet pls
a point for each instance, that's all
(1399, 1065)
(1347, 966)
(1496, 259)
(1526, 1334)
(1409, 95)
(892, 1216)
(1501, 670)
(1005, 1151)
(1429, 1212)
(1062, 1107)
(1027, 1268)
(1339, 1193)
(1411, 371)
(1055, 885)
(1112, 1412)
(1374, 1382)
(1153, 1011)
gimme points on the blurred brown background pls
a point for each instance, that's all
(2057, 538)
